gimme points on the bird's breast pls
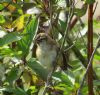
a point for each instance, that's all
(46, 56)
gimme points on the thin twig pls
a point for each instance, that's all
(89, 64)
(70, 47)
(51, 15)
(76, 38)
(67, 27)
(95, 8)
(75, 41)
(82, 39)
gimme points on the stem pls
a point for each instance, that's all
(89, 64)
(68, 26)
(95, 8)
(90, 48)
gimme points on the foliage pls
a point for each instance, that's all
(20, 71)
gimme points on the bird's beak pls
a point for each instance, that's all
(36, 40)
(39, 39)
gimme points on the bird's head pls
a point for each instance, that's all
(44, 40)
(41, 39)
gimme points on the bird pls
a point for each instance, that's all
(47, 52)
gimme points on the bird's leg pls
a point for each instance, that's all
(49, 77)
(49, 80)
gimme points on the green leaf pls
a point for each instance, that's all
(19, 23)
(16, 90)
(2, 19)
(32, 89)
(84, 90)
(64, 78)
(41, 91)
(2, 1)
(19, 91)
(40, 70)
(96, 24)
(11, 7)
(89, 1)
(62, 25)
(96, 82)
(9, 38)
(13, 75)
(7, 51)
(26, 78)
(80, 12)
(97, 57)
(30, 31)
(76, 65)
(1, 6)
(63, 87)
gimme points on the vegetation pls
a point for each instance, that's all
(20, 71)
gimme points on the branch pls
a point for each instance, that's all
(5, 6)
(75, 50)
(71, 12)
(95, 8)
(90, 48)
(89, 65)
